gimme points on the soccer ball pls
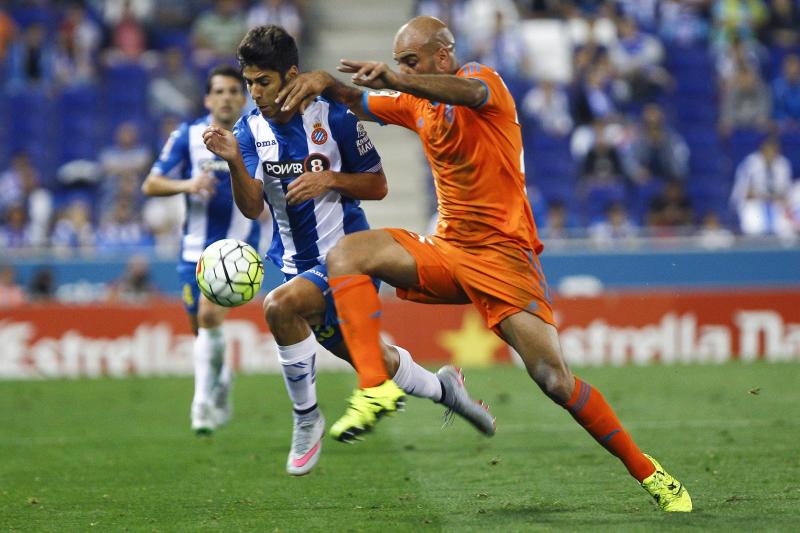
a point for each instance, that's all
(229, 272)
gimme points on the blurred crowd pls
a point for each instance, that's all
(648, 117)
(639, 117)
(89, 92)
(133, 285)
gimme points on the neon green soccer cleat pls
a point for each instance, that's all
(366, 407)
(668, 492)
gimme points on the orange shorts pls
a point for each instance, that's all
(500, 279)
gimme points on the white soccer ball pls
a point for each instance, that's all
(229, 272)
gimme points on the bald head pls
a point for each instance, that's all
(421, 31)
(420, 39)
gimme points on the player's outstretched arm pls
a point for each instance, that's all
(158, 185)
(301, 91)
(443, 88)
(247, 192)
(356, 185)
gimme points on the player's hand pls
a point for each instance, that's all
(308, 185)
(221, 142)
(372, 74)
(203, 184)
(301, 91)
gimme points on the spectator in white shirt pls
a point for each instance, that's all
(505, 50)
(761, 191)
(636, 58)
(282, 13)
(548, 105)
(479, 23)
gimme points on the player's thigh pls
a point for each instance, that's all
(375, 253)
(537, 343)
(503, 280)
(209, 314)
(436, 261)
(297, 297)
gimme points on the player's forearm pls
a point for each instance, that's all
(247, 192)
(443, 88)
(347, 95)
(156, 185)
(360, 185)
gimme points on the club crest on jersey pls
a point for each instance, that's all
(319, 135)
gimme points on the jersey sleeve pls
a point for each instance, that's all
(175, 153)
(497, 96)
(390, 107)
(358, 152)
(247, 145)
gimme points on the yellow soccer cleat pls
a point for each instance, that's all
(366, 407)
(668, 492)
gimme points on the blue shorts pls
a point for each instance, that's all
(328, 334)
(190, 292)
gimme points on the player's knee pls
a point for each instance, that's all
(280, 305)
(209, 316)
(556, 382)
(559, 387)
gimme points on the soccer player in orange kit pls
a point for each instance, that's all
(485, 249)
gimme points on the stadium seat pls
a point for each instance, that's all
(599, 198)
(168, 38)
(742, 143)
(640, 198)
(4, 132)
(709, 194)
(81, 122)
(696, 111)
(126, 92)
(790, 145)
(689, 57)
(32, 113)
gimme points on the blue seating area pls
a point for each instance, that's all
(692, 109)
(77, 121)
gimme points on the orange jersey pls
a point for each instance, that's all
(476, 158)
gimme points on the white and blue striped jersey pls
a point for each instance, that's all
(326, 136)
(208, 219)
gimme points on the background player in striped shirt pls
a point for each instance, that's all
(311, 170)
(187, 167)
(486, 247)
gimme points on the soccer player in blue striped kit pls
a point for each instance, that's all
(312, 169)
(187, 167)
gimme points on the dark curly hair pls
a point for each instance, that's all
(268, 48)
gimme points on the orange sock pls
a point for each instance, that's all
(359, 309)
(591, 410)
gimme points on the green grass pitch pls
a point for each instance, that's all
(117, 455)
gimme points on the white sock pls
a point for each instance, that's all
(222, 371)
(209, 355)
(225, 374)
(415, 380)
(300, 373)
